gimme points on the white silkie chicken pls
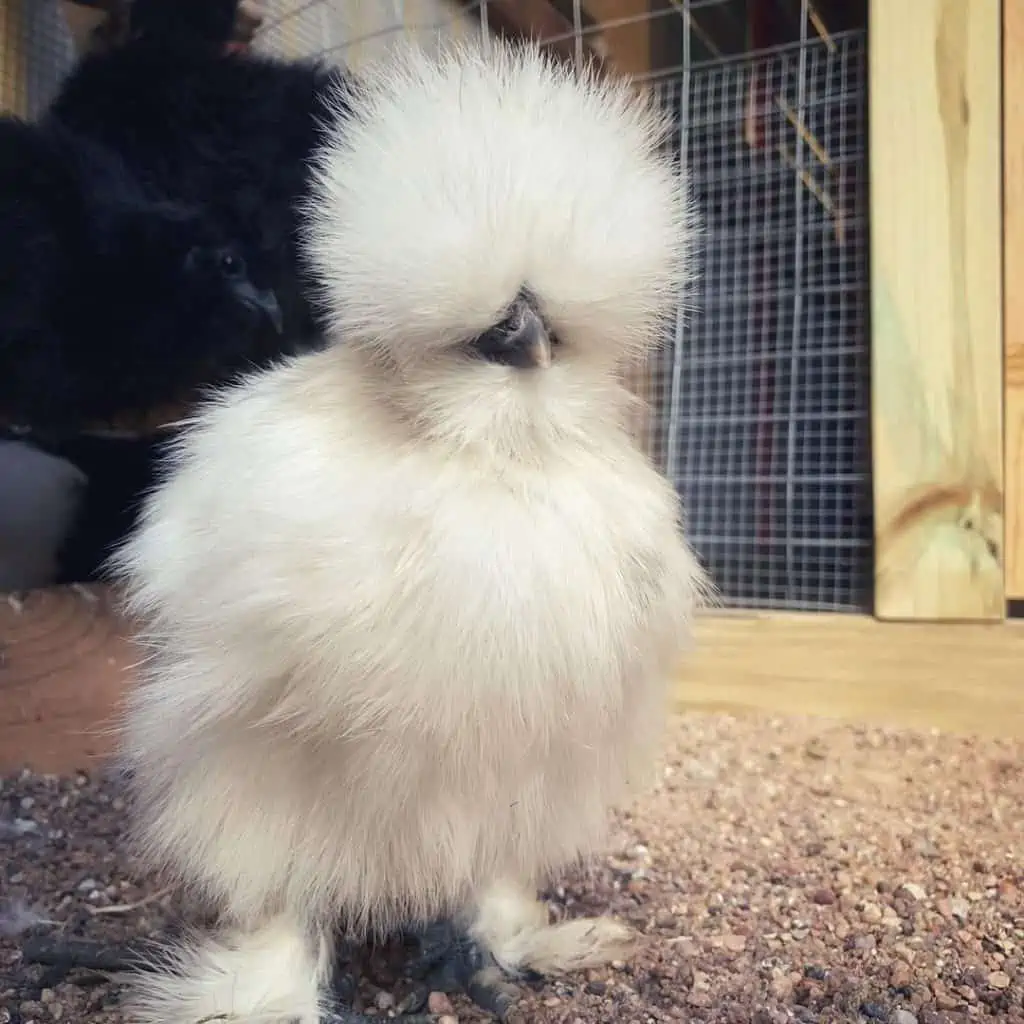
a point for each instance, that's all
(414, 600)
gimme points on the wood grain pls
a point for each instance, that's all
(936, 285)
(13, 91)
(65, 664)
(968, 678)
(1013, 289)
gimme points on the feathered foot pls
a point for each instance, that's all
(514, 926)
(511, 940)
(449, 960)
(274, 974)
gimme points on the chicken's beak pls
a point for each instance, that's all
(539, 350)
(520, 341)
(528, 346)
(264, 300)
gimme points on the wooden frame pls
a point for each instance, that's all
(938, 368)
(1013, 276)
(936, 307)
(966, 678)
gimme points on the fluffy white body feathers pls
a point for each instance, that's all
(413, 612)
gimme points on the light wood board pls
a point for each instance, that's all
(13, 91)
(936, 282)
(1013, 289)
(967, 678)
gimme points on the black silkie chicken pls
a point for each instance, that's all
(115, 302)
(147, 247)
(232, 132)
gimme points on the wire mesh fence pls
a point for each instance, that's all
(760, 407)
(764, 395)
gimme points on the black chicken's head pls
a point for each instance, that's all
(176, 299)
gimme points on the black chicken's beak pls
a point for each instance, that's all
(264, 301)
(521, 341)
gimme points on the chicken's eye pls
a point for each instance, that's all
(232, 264)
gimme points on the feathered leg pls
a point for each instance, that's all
(272, 974)
(507, 938)
(512, 924)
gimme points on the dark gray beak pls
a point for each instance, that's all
(264, 301)
(521, 341)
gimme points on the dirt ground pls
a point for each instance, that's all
(783, 871)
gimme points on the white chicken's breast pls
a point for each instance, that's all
(414, 600)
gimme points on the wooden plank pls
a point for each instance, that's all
(966, 679)
(66, 665)
(13, 90)
(936, 286)
(1013, 289)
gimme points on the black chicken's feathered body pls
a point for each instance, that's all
(114, 300)
(233, 132)
(155, 160)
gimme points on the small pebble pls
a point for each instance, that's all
(959, 908)
(872, 913)
(915, 892)
(999, 980)
(902, 1017)
(439, 1003)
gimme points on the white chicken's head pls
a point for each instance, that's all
(498, 230)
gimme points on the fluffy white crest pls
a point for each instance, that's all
(448, 183)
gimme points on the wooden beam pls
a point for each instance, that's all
(966, 678)
(13, 54)
(1013, 289)
(936, 308)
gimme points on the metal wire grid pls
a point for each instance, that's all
(764, 393)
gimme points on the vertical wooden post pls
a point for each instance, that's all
(936, 282)
(13, 91)
(1013, 289)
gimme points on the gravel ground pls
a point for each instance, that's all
(784, 870)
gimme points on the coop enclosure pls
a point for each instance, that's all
(830, 401)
